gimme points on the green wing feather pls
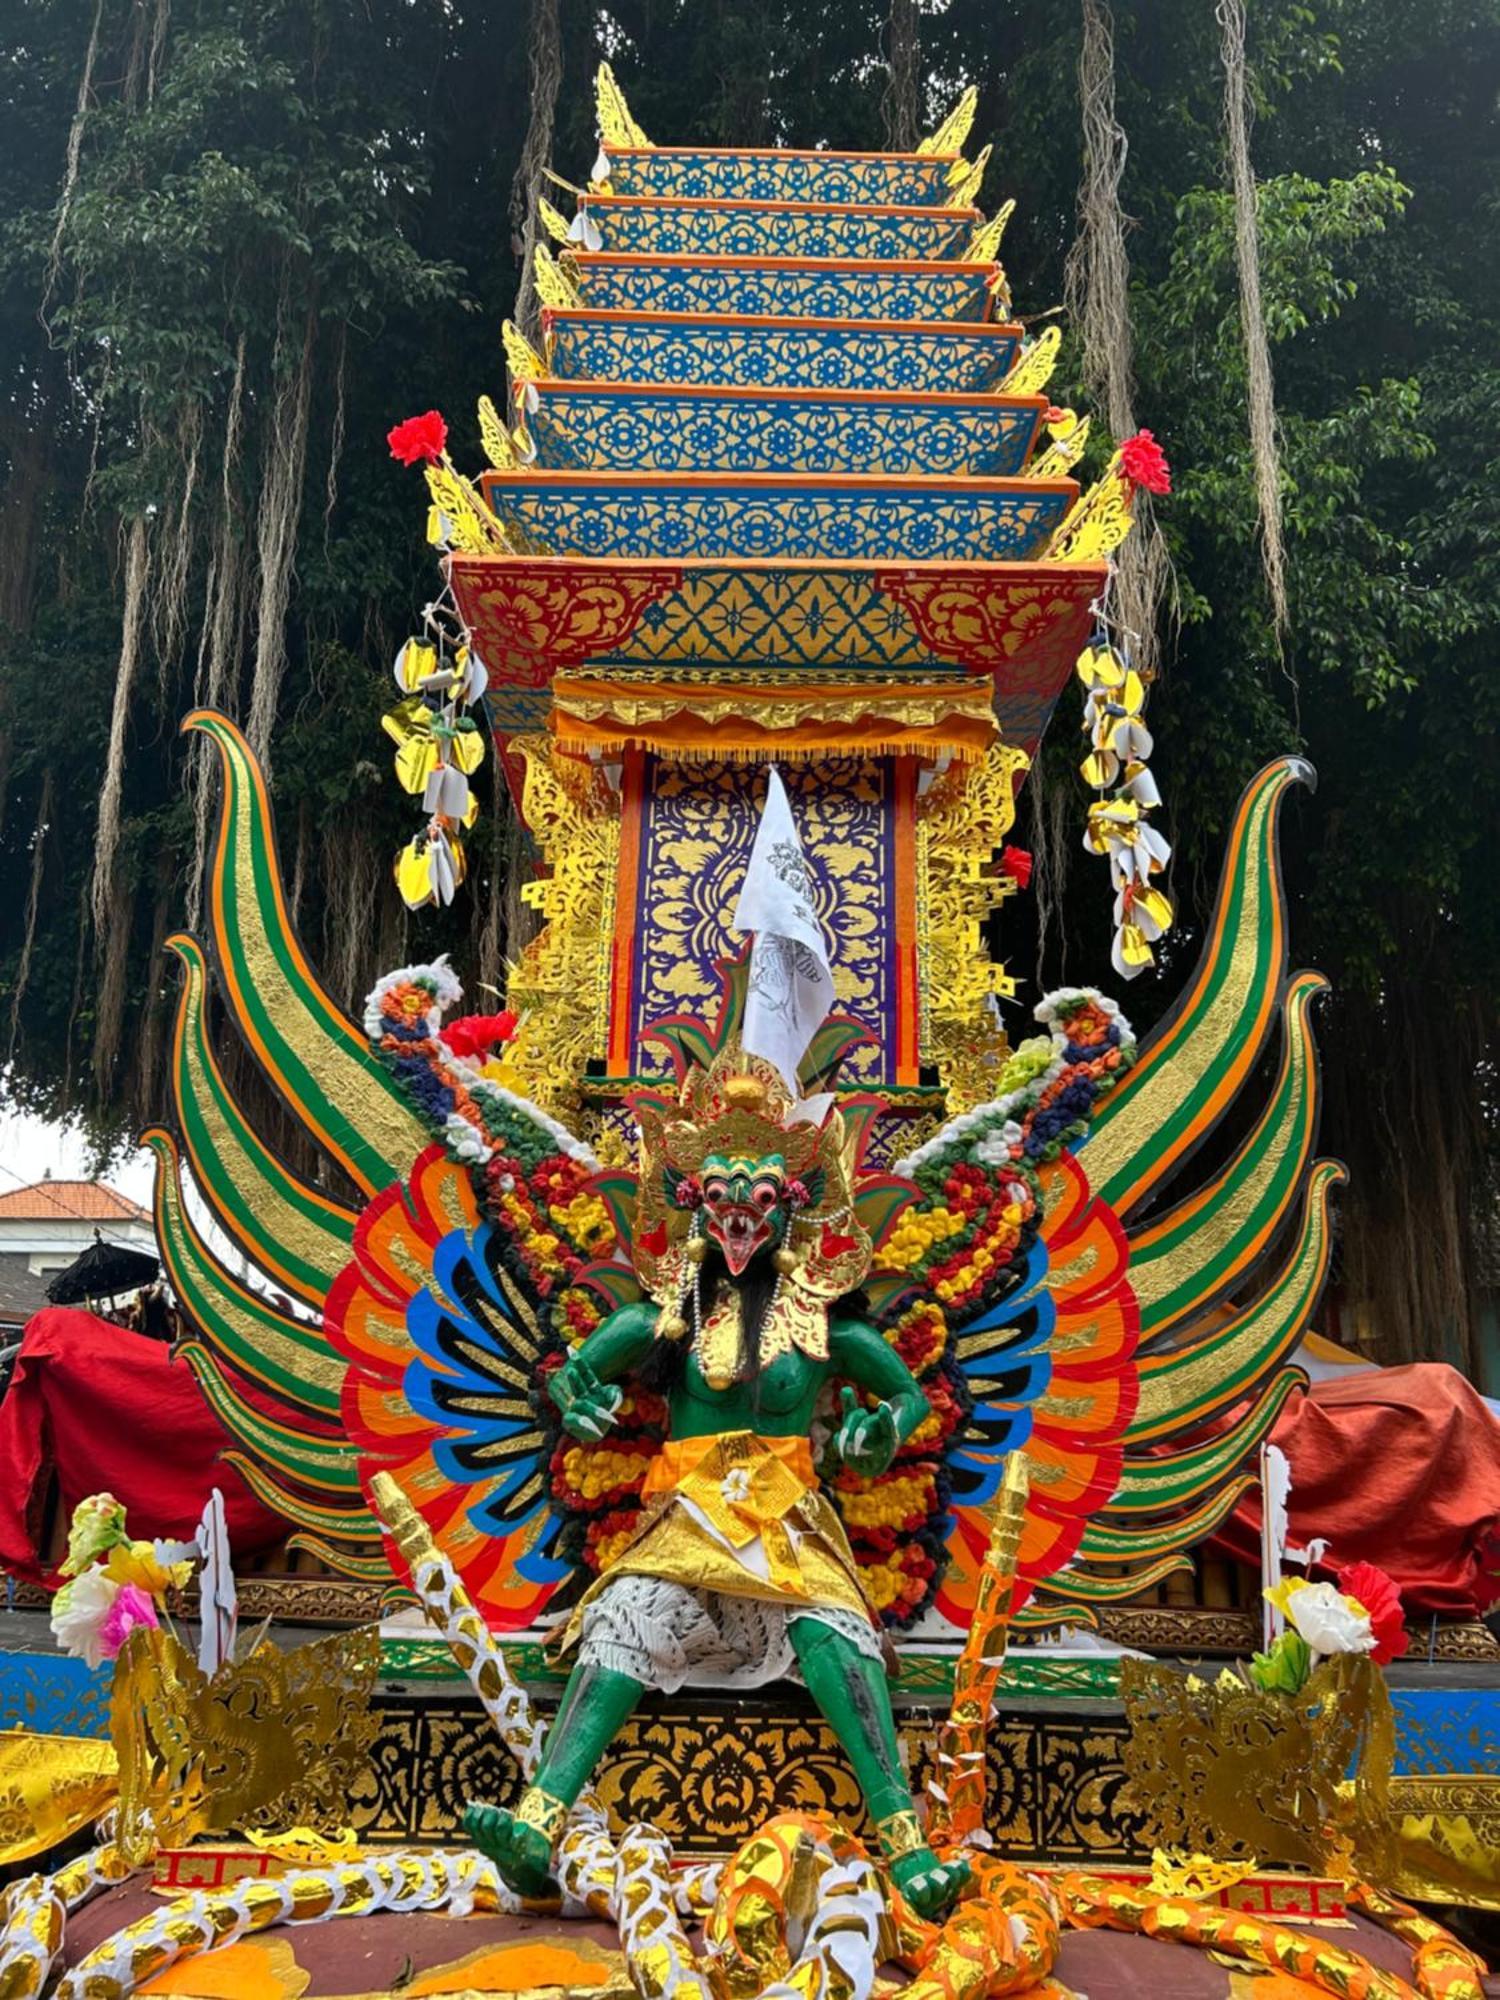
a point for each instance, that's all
(1204, 1246)
(1199, 1057)
(1151, 1485)
(309, 1049)
(285, 1356)
(297, 1235)
(1190, 1384)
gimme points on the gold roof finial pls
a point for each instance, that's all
(616, 126)
(955, 128)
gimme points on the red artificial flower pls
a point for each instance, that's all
(477, 1034)
(1370, 1586)
(1144, 463)
(1016, 861)
(419, 437)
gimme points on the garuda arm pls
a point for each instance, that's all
(585, 1389)
(868, 1440)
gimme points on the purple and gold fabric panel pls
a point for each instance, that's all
(686, 173)
(787, 287)
(777, 353)
(688, 834)
(777, 229)
(603, 427)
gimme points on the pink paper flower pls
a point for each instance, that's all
(131, 1608)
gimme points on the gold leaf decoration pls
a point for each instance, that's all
(552, 287)
(616, 126)
(525, 364)
(1228, 1770)
(1098, 523)
(466, 521)
(1033, 371)
(278, 1740)
(966, 180)
(495, 437)
(956, 127)
(984, 244)
(560, 987)
(554, 222)
(1065, 450)
(961, 823)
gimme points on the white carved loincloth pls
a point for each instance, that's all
(665, 1635)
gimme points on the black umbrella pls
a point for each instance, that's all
(102, 1272)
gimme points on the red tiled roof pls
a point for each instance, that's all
(69, 1201)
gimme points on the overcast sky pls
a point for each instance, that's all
(31, 1148)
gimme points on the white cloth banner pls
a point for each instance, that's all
(791, 986)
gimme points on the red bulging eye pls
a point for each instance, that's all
(715, 1190)
(765, 1197)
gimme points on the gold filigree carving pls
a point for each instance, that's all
(616, 126)
(553, 286)
(495, 438)
(984, 245)
(1098, 523)
(561, 985)
(1065, 450)
(277, 1740)
(1229, 1770)
(1033, 371)
(552, 220)
(965, 181)
(690, 722)
(465, 523)
(526, 365)
(955, 128)
(960, 825)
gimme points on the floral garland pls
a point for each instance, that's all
(1119, 745)
(439, 745)
(450, 1074)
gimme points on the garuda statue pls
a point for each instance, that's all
(749, 1250)
(754, 1396)
(772, 1283)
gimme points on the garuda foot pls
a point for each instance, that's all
(521, 1852)
(929, 1885)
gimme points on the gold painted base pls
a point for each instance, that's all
(710, 1770)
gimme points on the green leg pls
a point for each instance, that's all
(595, 1705)
(852, 1693)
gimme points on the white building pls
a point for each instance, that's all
(44, 1227)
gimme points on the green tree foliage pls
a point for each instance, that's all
(258, 196)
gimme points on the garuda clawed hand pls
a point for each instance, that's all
(867, 1439)
(588, 1405)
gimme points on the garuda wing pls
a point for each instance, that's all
(413, 1335)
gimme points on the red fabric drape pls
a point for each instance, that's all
(1395, 1466)
(111, 1411)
